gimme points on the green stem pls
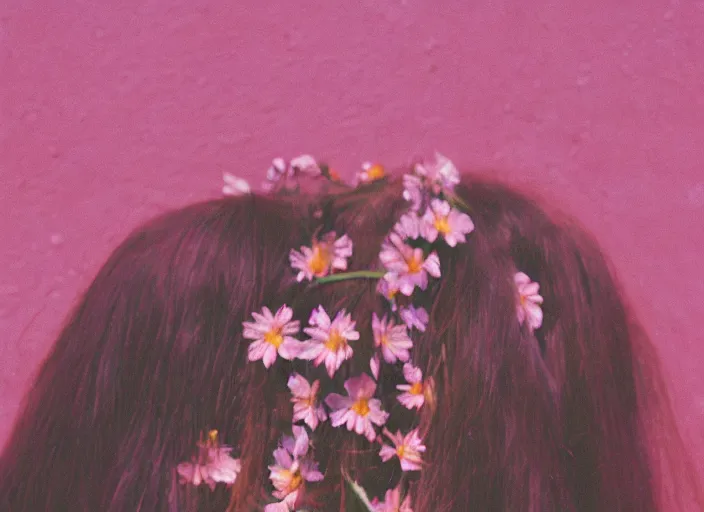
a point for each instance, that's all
(360, 274)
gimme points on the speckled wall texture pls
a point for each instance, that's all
(113, 111)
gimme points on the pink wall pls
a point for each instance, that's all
(112, 111)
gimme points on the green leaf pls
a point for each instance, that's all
(356, 499)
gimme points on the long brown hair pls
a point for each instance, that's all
(571, 417)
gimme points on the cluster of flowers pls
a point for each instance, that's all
(282, 173)
(408, 262)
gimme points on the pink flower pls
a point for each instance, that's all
(441, 219)
(414, 317)
(329, 341)
(304, 164)
(305, 401)
(235, 186)
(322, 257)
(285, 505)
(406, 266)
(272, 335)
(393, 339)
(374, 363)
(407, 448)
(392, 502)
(293, 467)
(528, 307)
(441, 174)
(358, 410)
(413, 395)
(413, 191)
(389, 289)
(408, 226)
(214, 465)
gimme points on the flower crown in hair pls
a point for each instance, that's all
(408, 261)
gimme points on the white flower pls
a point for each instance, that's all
(235, 186)
(277, 169)
(322, 257)
(272, 335)
(441, 219)
(329, 340)
(305, 164)
(407, 267)
(407, 448)
(528, 307)
(413, 395)
(414, 317)
(305, 401)
(359, 411)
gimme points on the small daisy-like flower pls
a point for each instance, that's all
(407, 448)
(413, 395)
(305, 401)
(413, 191)
(370, 172)
(304, 164)
(359, 411)
(441, 174)
(392, 339)
(389, 289)
(441, 219)
(408, 226)
(235, 186)
(528, 307)
(277, 169)
(414, 317)
(329, 340)
(293, 467)
(392, 502)
(322, 257)
(272, 335)
(214, 465)
(407, 266)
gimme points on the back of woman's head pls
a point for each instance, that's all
(554, 418)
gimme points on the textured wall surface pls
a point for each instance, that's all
(113, 111)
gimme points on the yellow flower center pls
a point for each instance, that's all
(415, 264)
(361, 407)
(295, 479)
(375, 172)
(522, 299)
(442, 225)
(400, 451)
(274, 337)
(320, 261)
(416, 388)
(336, 341)
(213, 435)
